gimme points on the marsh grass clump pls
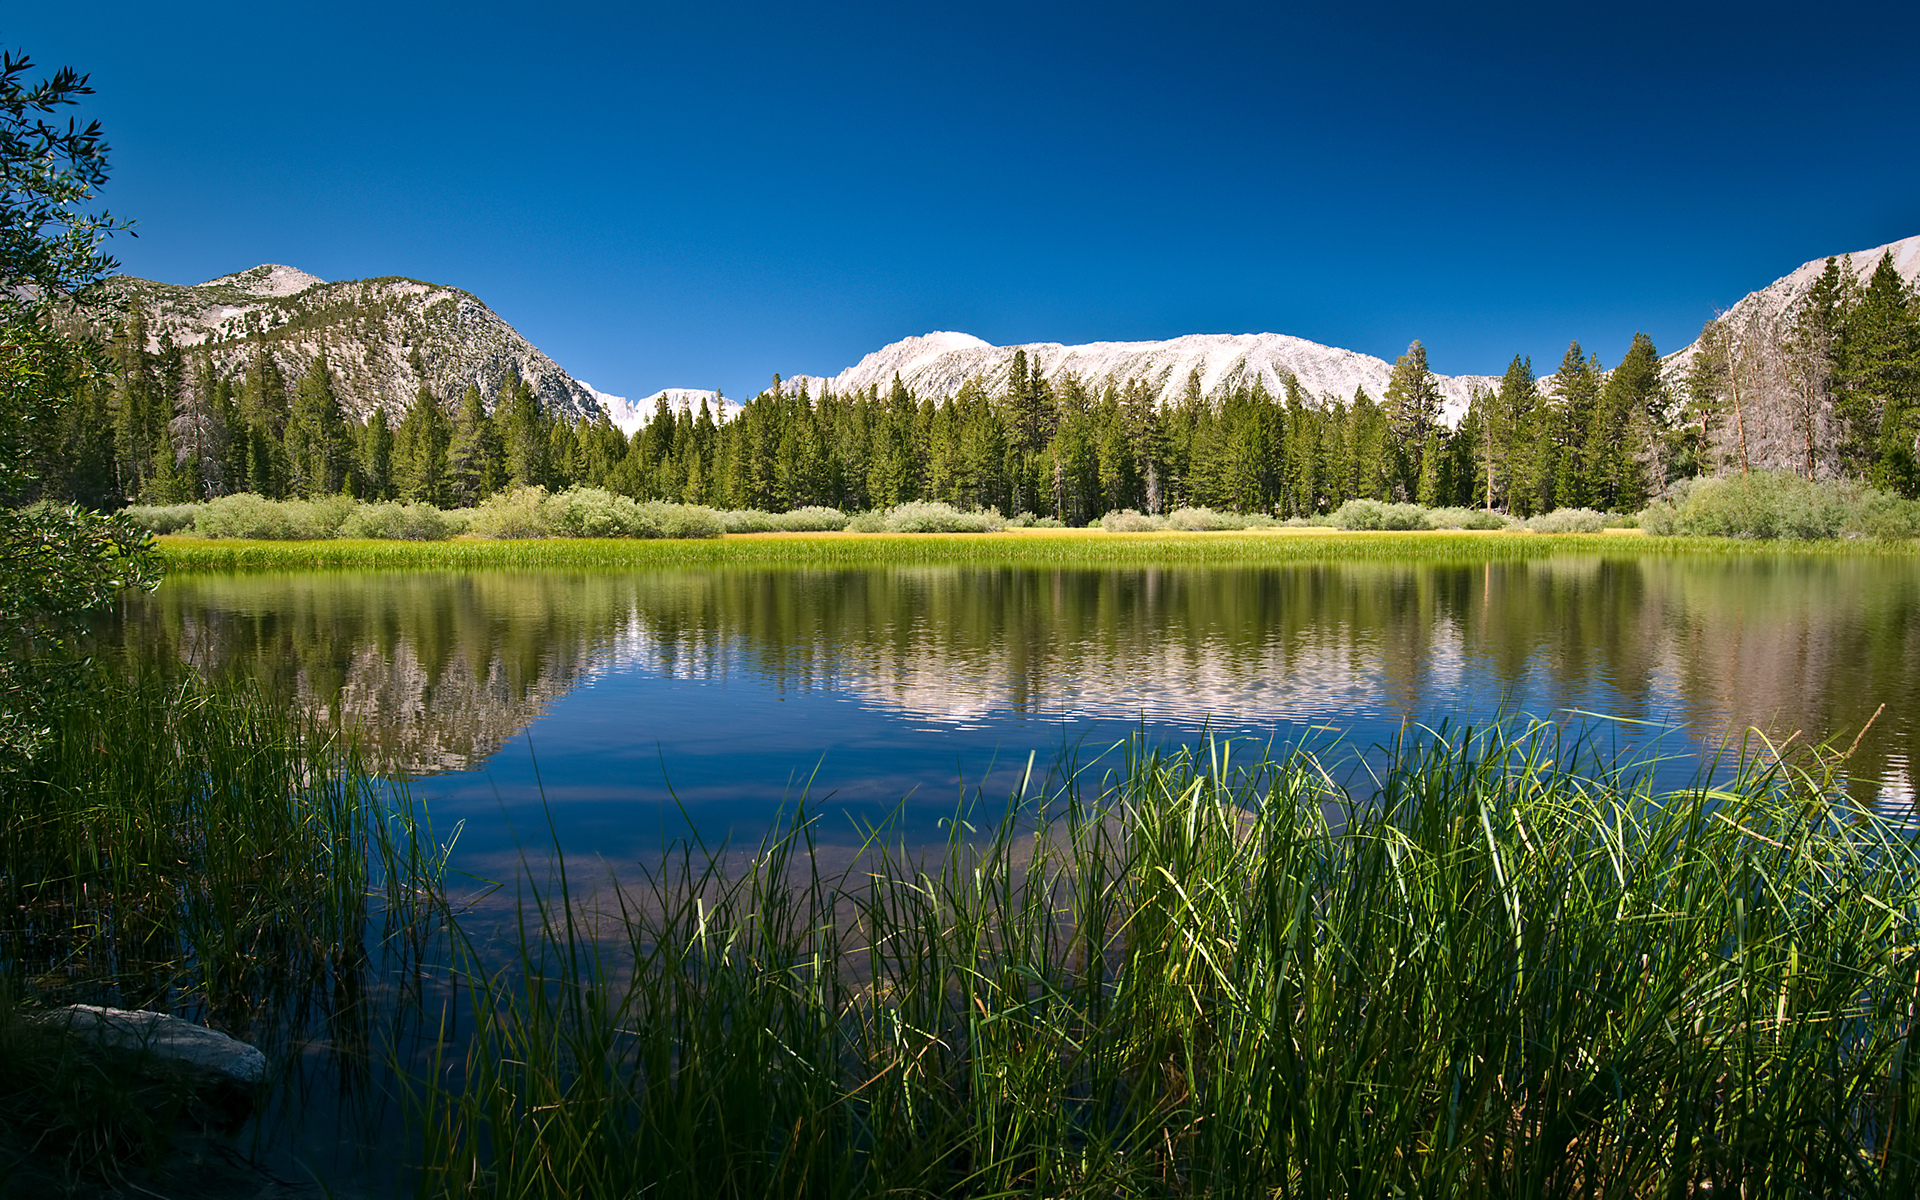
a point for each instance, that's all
(1504, 966)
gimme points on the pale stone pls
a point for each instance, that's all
(202, 1051)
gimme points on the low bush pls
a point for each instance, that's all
(402, 522)
(1129, 521)
(929, 516)
(1568, 520)
(527, 512)
(246, 515)
(162, 518)
(1777, 504)
(1464, 518)
(813, 518)
(1379, 514)
(659, 519)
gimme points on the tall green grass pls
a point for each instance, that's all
(1040, 549)
(194, 848)
(1505, 966)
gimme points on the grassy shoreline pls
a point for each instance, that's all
(1072, 547)
(1505, 967)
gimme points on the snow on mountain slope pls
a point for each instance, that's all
(937, 364)
(629, 415)
(1778, 298)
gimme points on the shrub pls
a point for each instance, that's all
(246, 515)
(1378, 514)
(937, 516)
(396, 521)
(1777, 504)
(595, 513)
(813, 518)
(1129, 521)
(1568, 520)
(1202, 519)
(748, 520)
(1464, 518)
(162, 518)
(526, 512)
(659, 519)
(871, 521)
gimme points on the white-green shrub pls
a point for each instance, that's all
(937, 516)
(1129, 521)
(246, 515)
(396, 521)
(1379, 514)
(524, 512)
(1464, 518)
(659, 519)
(162, 518)
(1568, 520)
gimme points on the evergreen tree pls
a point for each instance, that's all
(1879, 365)
(526, 440)
(420, 450)
(475, 461)
(376, 481)
(1412, 412)
(1576, 388)
(1617, 443)
(316, 438)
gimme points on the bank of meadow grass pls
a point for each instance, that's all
(1066, 548)
(1503, 966)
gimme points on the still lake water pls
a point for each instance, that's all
(627, 698)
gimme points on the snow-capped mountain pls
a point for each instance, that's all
(629, 415)
(936, 364)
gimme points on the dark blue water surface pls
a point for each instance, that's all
(616, 711)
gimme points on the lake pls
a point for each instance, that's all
(622, 705)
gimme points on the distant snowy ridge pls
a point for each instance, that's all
(629, 415)
(937, 364)
(1778, 298)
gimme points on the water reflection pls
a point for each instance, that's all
(440, 670)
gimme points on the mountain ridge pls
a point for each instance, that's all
(383, 336)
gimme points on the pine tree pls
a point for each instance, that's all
(1617, 441)
(375, 474)
(316, 438)
(1880, 367)
(1412, 411)
(475, 461)
(1576, 396)
(420, 448)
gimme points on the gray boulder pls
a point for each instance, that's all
(205, 1054)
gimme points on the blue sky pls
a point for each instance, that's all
(702, 195)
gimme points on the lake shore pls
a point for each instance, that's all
(1063, 547)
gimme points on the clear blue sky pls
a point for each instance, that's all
(699, 195)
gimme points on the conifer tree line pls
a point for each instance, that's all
(1826, 389)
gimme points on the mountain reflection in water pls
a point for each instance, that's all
(437, 671)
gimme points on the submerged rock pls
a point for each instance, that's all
(206, 1054)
